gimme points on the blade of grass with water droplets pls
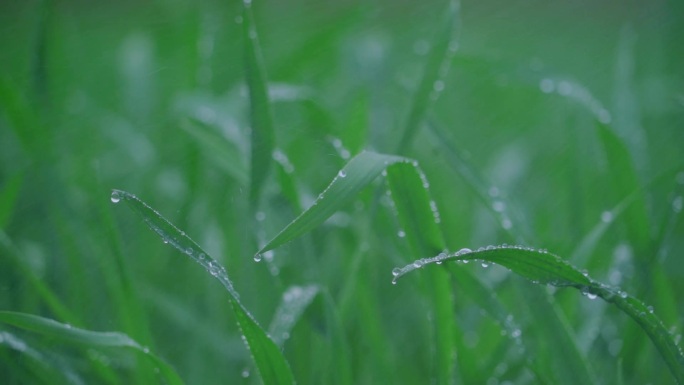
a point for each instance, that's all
(87, 338)
(357, 174)
(545, 268)
(518, 229)
(491, 197)
(625, 179)
(259, 106)
(418, 218)
(438, 62)
(295, 300)
(269, 361)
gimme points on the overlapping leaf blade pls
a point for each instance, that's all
(357, 174)
(53, 329)
(268, 358)
(542, 267)
(260, 106)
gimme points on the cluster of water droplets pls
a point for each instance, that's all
(397, 272)
(282, 159)
(340, 148)
(294, 302)
(578, 93)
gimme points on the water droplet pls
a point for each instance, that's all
(146, 350)
(438, 86)
(201, 256)
(396, 271)
(564, 88)
(485, 264)
(245, 373)
(680, 177)
(260, 216)
(238, 19)
(189, 250)
(650, 309)
(604, 116)
(213, 268)
(516, 333)
(401, 234)
(607, 216)
(499, 206)
(506, 224)
(258, 257)
(342, 174)
(677, 204)
(464, 250)
(547, 86)
(116, 197)
(418, 263)
(591, 295)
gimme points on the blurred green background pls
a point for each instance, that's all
(102, 95)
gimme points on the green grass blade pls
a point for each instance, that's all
(52, 301)
(8, 197)
(419, 218)
(625, 178)
(224, 154)
(497, 204)
(542, 267)
(295, 300)
(443, 48)
(53, 329)
(260, 106)
(269, 361)
(357, 174)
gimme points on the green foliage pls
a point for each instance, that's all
(336, 143)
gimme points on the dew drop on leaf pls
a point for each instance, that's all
(116, 198)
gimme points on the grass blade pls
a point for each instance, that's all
(224, 153)
(358, 173)
(444, 47)
(269, 361)
(625, 178)
(419, 218)
(295, 300)
(542, 267)
(259, 106)
(53, 329)
(8, 197)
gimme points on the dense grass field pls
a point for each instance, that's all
(220, 192)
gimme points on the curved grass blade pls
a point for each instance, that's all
(357, 174)
(269, 361)
(419, 218)
(224, 154)
(497, 204)
(39, 368)
(542, 267)
(443, 48)
(52, 301)
(259, 106)
(53, 329)
(295, 300)
(626, 179)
